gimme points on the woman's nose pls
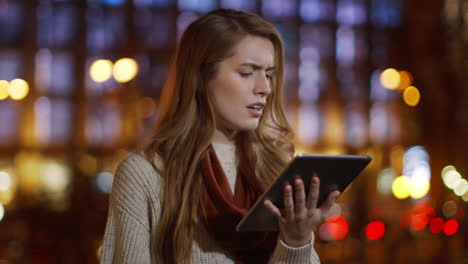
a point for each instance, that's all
(262, 86)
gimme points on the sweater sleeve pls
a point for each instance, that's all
(286, 254)
(127, 233)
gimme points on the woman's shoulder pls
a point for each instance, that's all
(136, 171)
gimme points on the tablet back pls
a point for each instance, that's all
(336, 172)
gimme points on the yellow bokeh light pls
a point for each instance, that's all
(390, 79)
(99, 251)
(55, 176)
(401, 187)
(27, 164)
(5, 181)
(411, 96)
(450, 178)
(6, 196)
(418, 191)
(125, 70)
(101, 70)
(18, 89)
(406, 79)
(4, 89)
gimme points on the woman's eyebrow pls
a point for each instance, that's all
(257, 67)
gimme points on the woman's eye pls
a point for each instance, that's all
(245, 74)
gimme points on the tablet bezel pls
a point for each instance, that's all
(327, 167)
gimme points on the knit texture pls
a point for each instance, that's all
(134, 211)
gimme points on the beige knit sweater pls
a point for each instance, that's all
(134, 210)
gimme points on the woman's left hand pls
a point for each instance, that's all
(300, 217)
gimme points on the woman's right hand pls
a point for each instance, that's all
(299, 219)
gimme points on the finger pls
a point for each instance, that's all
(299, 194)
(273, 209)
(328, 204)
(313, 192)
(288, 203)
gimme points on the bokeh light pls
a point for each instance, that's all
(406, 79)
(385, 180)
(465, 197)
(450, 178)
(6, 197)
(401, 187)
(55, 176)
(125, 69)
(334, 228)
(2, 212)
(411, 96)
(375, 230)
(4, 89)
(416, 167)
(461, 187)
(101, 70)
(337, 227)
(390, 79)
(419, 189)
(450, 227)
(419, 221)
(99, 251)
(28, 164)
(146, 107)
(449, 209)
(437, 224)
(5, 181)
(7, 186)
(421, 215)
(104, 181)
(447, 169)
(18, 89)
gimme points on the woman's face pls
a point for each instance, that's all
(242, 84)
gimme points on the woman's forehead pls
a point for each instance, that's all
(254, 50)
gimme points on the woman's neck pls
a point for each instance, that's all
(223, 138)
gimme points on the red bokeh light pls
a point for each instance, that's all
(418, 217)
(450, 227)
(419, 221)
(337, 227)
(375, 230)
(424, 208)
(436, 225)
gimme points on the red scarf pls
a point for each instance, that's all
(224, 210)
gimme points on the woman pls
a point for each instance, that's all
(220, 141)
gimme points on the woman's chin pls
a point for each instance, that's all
(250, 126)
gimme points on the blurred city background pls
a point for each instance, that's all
(80, 84)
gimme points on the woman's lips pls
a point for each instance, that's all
(255, 112)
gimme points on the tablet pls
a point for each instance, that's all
(336, 172)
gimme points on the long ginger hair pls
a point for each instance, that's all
(187, 123)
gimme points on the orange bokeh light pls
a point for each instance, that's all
(406, 79)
